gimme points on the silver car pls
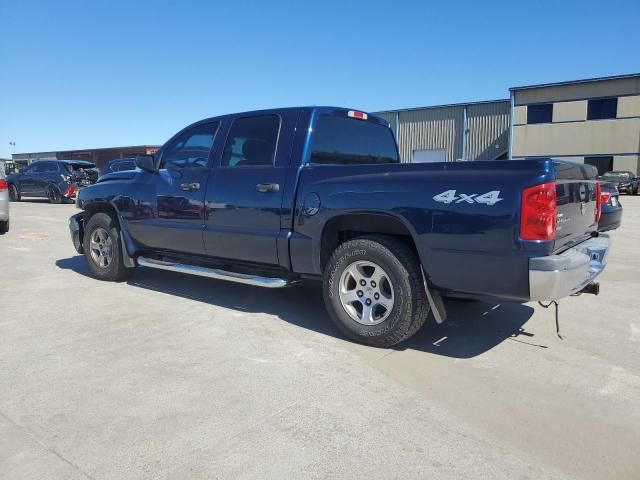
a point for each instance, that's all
(4, 203)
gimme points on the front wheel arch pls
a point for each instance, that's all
(13, 187)
(129, 248)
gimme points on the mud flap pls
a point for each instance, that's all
(435, 301)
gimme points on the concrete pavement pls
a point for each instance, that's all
(170, 376)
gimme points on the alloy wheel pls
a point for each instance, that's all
(366, 292)
(101, 247)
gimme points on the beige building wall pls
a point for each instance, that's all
(629, 106)
(520, 115)
(598, 137)
(570, 111)
(570, 135)
(629, 163)
(616, 87)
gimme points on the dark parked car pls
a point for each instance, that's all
(118, 165)
(611, 216)
(57, 180)
(627, 182)
(273, 197)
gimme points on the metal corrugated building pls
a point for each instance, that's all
(466, 131)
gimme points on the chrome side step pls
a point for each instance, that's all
(268, 282)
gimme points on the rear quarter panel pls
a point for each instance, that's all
(464, 246)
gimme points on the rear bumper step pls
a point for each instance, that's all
(268, 282)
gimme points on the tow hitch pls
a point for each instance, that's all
(592, 288)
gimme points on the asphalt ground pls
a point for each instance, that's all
(171, 376)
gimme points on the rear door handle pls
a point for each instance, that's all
(268, 187)
(190, 187)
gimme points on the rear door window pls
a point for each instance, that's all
(349, 141)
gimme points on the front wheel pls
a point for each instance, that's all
(102, 249)
(374, 292)
(4, 226)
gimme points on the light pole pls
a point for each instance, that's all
(13, 144)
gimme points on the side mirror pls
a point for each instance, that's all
(146, 162)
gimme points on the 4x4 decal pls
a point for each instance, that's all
(449, 196)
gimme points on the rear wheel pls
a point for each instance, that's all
(14, 195)
(374, 292)
(54, 195)
(4, 226)
(102, 249)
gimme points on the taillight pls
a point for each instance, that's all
(605, 197)
(3, 185)
(599, 201)
(538, 212)
(71, 189)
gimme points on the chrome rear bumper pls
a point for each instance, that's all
(558, 276)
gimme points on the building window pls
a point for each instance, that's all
(603, 164)
(541, 113)
(602, 108)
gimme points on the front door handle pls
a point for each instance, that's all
(268, 187)
(190, 187)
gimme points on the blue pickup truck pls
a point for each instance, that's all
(270, 198)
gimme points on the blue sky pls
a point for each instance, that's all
(98, 74)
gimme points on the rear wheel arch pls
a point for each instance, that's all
(343, 228)
(375, 257)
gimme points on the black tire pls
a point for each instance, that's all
(14, 194)
(115, 270)
(401, 264)
(54, 195)
(4, 226)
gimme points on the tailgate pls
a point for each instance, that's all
(576, 203)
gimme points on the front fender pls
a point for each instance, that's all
(77, 229)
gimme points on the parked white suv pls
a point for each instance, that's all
(4, 203)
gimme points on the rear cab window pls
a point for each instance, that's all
(341, 140)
